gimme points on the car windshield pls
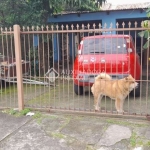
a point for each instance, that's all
(104, 46)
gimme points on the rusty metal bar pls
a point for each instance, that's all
(103, 114)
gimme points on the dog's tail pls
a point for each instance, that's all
(103, 76)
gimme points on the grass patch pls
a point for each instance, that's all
(8, 89)
(12, 88)
(44, 99)
(133, 139)
(52, 116)
(10, 111)
(147, 144)
(66, 122)
(58, 135)
(51, 94)
(125, 123)
(90, 147)
(16, 112)
(38, 116)
(136, 141)
(24, 112)
(105, 128)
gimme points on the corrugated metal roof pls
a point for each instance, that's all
(109, 7)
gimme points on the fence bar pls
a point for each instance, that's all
(18, 66)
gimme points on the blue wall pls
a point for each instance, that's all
(104, 16)
(111, 18)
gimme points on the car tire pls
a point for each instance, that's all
(136, 92)
(78, 89)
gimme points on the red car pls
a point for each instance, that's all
(113, 54)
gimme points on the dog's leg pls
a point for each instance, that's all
(97, 102)
(100, 99)
(96, 97)
(119, 105)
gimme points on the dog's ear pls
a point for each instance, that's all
(130, 75)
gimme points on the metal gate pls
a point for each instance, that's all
(48, 83)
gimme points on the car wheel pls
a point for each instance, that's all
(136, 92)
(78, 89)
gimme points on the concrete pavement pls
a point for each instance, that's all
(72, 132)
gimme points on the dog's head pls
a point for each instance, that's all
(130, 83)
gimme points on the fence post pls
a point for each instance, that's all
(18, 66)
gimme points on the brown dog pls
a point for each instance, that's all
(115, 89)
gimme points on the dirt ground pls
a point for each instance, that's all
(62, 96)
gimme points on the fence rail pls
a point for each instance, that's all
(76, 30)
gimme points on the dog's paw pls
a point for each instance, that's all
(120, 111)
(97, 108)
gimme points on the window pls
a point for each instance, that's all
(104, 46)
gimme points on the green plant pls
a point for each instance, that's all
(12, 112)
(146, 33)
(148, 12)
(24, 111)
(16, 112)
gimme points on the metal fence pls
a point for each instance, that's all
(37, 67)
